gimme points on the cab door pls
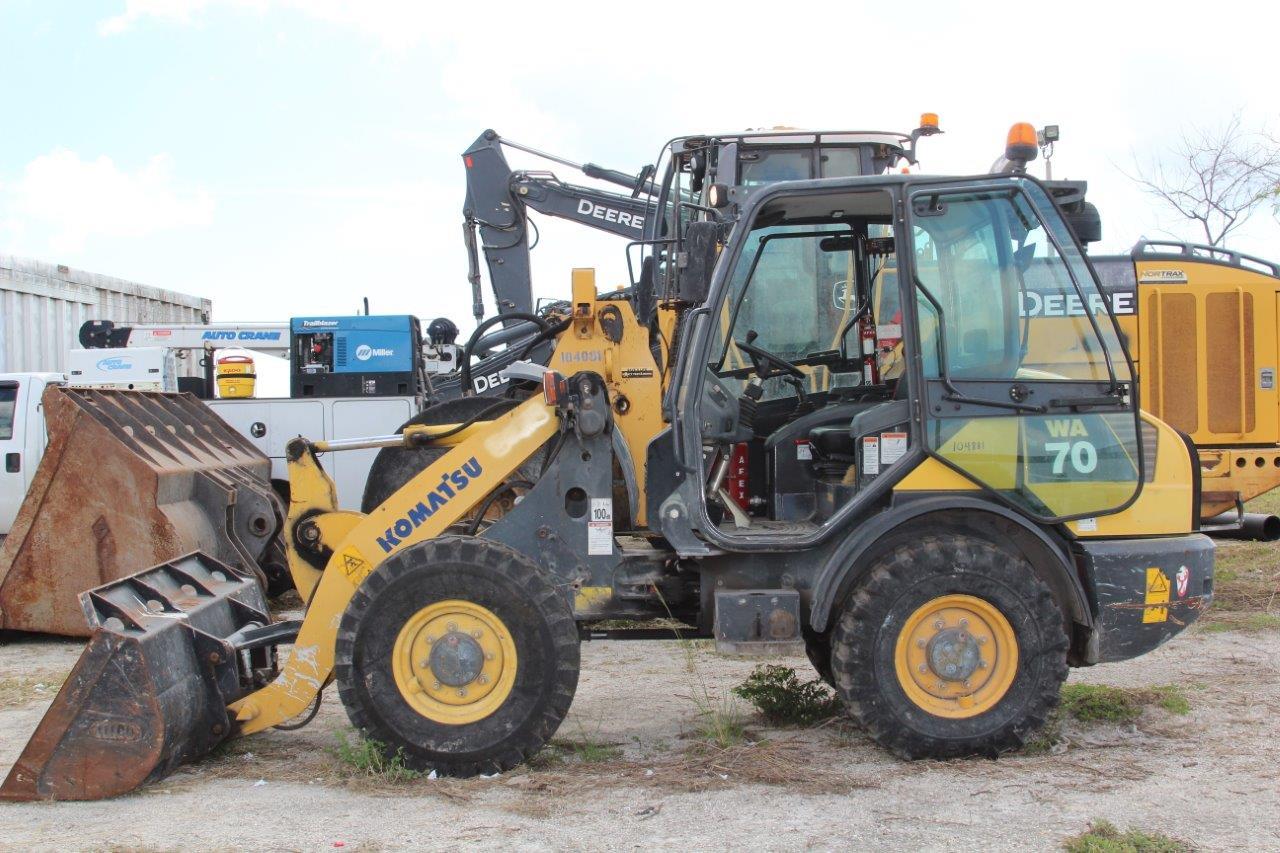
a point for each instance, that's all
(1057, 438)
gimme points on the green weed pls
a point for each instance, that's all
(783, 699)
(1103, 837)
(367, 757)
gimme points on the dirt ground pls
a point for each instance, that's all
(634, 773)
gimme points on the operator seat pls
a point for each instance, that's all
(835, 446)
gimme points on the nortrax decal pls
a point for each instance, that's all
(451, 483)
(1062, 303)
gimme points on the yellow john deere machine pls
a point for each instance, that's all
(943, 543)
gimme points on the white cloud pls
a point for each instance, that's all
(73, 200)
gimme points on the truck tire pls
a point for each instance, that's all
(817, 647)
(395, 466)
(950, 645)
(459, 655)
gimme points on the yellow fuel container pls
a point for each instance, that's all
(235, 376)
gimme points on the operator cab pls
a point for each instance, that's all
(838, 352)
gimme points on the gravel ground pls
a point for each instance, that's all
(1209, 777)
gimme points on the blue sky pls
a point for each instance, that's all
(289, 157)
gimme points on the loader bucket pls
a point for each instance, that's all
(130, 479)
(151, 689)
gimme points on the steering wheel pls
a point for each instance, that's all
(767, 365)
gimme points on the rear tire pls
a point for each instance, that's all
(950, 646)
(485, 704)
(817, 647)
(395, 466)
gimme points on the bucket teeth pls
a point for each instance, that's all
(130, 479)
(150, 692)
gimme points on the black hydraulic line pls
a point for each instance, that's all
(505, 487)
(470, 347)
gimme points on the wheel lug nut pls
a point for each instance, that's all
(982, 664)
(939, 625)
(435, 685)
(462, 692)
(964, 623)
(924, 668)
(484, 679)
(982, 641)
(452, 626)
(920, 643)
(966, 683)
(426, 664)
(488, 655)
(477, 633)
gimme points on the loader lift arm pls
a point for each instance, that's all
(496, 214)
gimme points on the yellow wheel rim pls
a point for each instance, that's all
(956, 656)
(454, 662)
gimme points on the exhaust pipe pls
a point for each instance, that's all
(1254, 526)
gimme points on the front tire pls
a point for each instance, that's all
(458, 654)
(950, 646)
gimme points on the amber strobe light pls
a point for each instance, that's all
(1021, 143)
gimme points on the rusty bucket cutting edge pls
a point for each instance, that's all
(129, 479)
(150, 692)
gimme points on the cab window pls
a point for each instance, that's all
(8, 403)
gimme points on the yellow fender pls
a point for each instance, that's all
(424, 508)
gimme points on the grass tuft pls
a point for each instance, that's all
(369, 758)
(783, 699)
(1091, 703)
(1103, 837)
(1098, 703)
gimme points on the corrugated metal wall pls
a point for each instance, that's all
(42, 306)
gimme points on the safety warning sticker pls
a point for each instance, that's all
(1157, 594)
(804, 450)
(600, 527)
(871, 455)
(893, 446)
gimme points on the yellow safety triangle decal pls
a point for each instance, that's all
(356, 567)
(1157, 594)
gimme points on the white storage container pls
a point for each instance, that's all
(134, 369)
(43, 305)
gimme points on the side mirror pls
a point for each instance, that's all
(697, 261)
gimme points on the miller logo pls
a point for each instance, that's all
(364, 352)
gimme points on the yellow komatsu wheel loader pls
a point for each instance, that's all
(943, 543)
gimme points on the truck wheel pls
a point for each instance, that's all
(950, 646)
(460, 655)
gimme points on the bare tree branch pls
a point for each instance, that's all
(1215, 178)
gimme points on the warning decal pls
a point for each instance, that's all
(1157, 594)
(600, 527)
(354, 565)
(893, 446)
(871, 455)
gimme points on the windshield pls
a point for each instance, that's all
(1004, 281)
(1013, 329)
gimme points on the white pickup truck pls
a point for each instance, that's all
(268, 422)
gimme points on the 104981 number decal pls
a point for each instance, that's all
(1082, 455)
